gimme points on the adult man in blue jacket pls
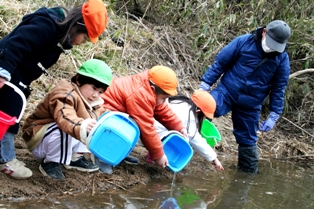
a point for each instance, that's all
(252, 66)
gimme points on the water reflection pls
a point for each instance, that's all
(278, 185)
(169, 203)
(236, 194)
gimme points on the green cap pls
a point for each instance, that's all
(96, 69)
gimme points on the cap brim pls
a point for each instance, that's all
(93, 40)
(103, 81)
(209, 115)
(171, 92)
(271, 43)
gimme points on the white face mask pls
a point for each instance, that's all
(265, 47)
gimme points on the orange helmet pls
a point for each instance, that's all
(165, 78)
(95, 18)
(205, 102)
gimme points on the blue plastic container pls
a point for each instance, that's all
(178, 151)
(113, 137)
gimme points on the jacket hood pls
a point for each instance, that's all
(56, 13)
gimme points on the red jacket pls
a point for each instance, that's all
(133, 95)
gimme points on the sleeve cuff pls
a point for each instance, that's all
(4, 73)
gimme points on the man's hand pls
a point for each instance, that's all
(268, 124)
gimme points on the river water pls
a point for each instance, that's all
(278, 185)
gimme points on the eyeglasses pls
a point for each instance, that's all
(81, 24)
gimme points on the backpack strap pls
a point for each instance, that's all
(184, 99)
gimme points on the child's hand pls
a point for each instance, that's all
(2, 80)
(163, 161)
(91, 125)
(185, 133)
(217, 165)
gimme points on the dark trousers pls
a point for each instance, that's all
(245, 126)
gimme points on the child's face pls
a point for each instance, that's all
(79, 39)
(90, 92)
(161, 98)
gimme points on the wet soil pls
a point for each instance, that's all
(272, 145)
(123, 177)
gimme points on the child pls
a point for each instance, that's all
(192, 112)
(58, 128)
(31, 48)
(142, 96)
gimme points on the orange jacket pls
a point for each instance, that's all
(134, 96)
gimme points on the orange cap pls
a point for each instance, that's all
(95, 18)
(165, 78)
(205, 102)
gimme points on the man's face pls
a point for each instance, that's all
(266, 49)
(264, 34)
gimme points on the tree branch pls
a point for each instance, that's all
(310, 70)
(298, 127)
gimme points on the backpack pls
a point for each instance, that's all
(185, 99)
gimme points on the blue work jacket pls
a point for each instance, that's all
(249, 86)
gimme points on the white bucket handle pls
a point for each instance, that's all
(17, 90)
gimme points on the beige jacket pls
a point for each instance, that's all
(64, 105)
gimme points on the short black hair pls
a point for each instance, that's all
(82, 79)
(158, 90)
